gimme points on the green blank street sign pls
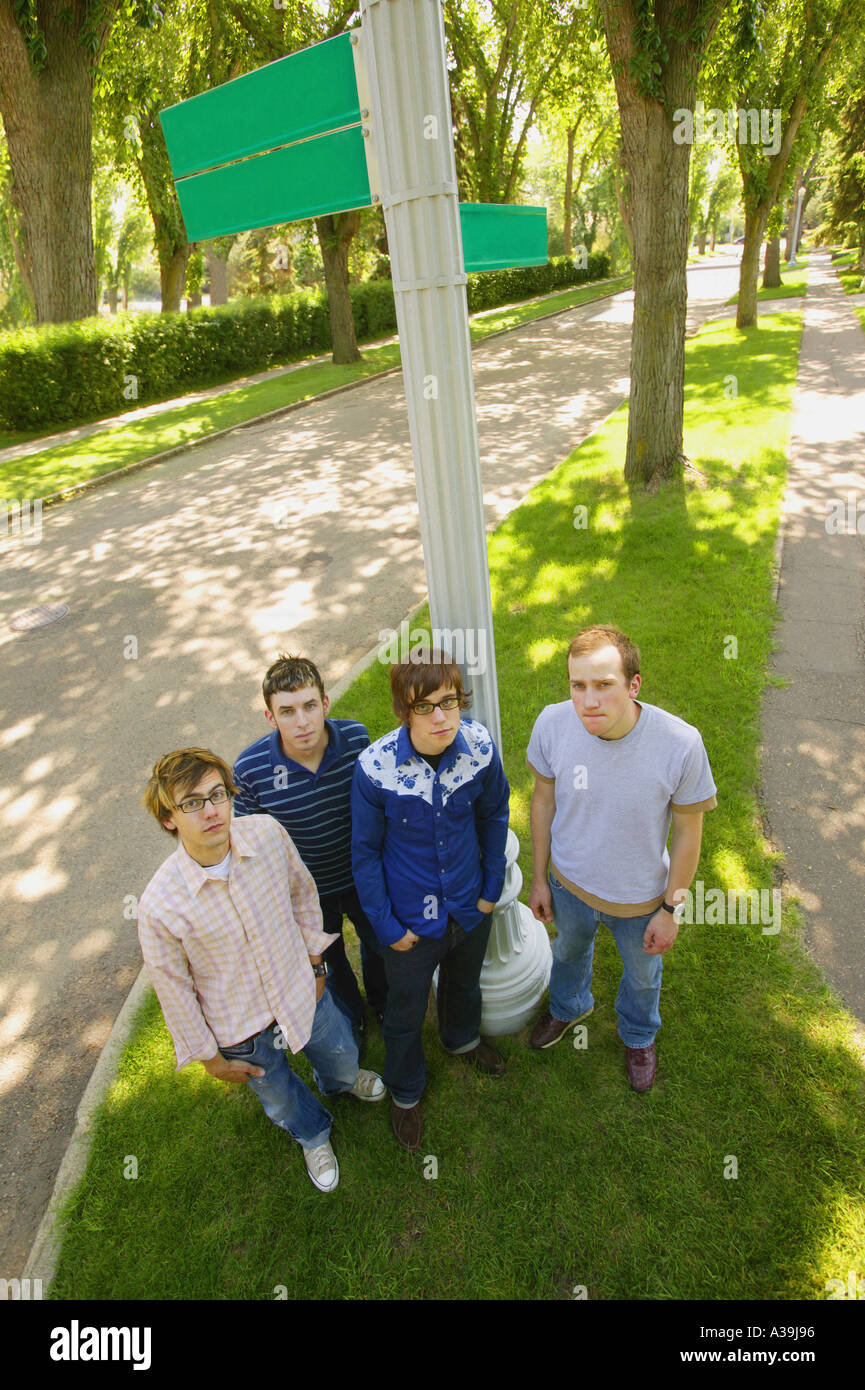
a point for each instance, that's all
(305, 180)
(284, 143)
(305, 94)
(497, 236)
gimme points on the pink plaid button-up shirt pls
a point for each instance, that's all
(226, 958)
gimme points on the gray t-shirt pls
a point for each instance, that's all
(614, 802)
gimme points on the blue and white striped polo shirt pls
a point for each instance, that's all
(314, 807)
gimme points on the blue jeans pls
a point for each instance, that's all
(459, 955)
(571, 977)
(286, 1099)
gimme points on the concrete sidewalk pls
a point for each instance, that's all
(814, 727)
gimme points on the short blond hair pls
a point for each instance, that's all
(175, 774)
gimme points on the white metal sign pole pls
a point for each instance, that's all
(402, 43)
(402, 84)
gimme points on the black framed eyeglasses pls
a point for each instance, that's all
(195, 803)
(427, 706)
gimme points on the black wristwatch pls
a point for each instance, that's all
(668, 908)
(320, 970)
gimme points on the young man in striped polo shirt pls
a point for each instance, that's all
(301, 774)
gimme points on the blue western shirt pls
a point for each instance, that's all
(425, 845)
(314, 807)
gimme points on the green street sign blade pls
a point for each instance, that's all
(294, 98)
(287, 185)
(497, 236)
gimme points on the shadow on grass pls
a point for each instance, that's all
(556, 1176)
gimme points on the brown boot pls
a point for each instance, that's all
(548, 1030)
(485, 1058)
(641, 1064)
(407, 1126)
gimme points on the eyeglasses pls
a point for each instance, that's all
(195, 803)
(427, 706)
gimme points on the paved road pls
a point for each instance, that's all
(181, 590)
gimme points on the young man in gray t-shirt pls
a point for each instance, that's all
(611, 774)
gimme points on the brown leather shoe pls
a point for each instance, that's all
(485, 1058)
(407, 1125)
(549, 1030)
(642, 1063)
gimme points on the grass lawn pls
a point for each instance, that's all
(851, 281)
(794, 283)
(557, 1175)
(62, 466)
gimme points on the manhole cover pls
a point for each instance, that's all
(30, 618)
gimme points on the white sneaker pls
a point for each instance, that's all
(368, 1086)
(322, 1167)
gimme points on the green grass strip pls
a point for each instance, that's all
(558, 1175)
(794, 283)
(852, 281)
(63, 466)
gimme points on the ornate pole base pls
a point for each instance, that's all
(516, 970)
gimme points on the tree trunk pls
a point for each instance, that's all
(772, 264)
(112, 298)
(169, 232)
(47, 118)
(701, 242)
(569, 190)
(758, 207)
(658, 170)
(217, 269)
(791, 214)
(172, 278)
(18, 253)
(626, 205)
(335, 232)
(749, 270)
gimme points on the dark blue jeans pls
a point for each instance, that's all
(459, 955)
(341, 981)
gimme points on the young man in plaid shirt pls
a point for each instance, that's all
(231, 933)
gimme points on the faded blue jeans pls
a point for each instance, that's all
(573, 952)
(286, 1099)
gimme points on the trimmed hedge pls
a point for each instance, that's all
(69, 372)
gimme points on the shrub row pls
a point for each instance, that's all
(494, 287)
(58, 373)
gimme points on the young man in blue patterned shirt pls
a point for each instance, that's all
(429, 808)
(301, 775)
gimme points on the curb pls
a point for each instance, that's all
(45, 1251)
